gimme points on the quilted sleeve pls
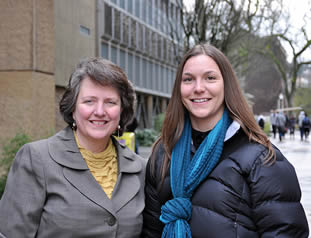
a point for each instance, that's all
(275, 195)
(152, 226)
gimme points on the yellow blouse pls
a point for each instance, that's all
(103, 166)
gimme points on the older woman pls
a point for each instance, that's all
(214, 173)
(80, 182)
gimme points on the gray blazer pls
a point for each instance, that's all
(50, 192)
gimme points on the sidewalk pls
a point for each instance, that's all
(299, 154)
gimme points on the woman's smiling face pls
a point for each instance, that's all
(97, 114)
(202, 91)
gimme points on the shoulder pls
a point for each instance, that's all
(244, 152)
(125, 153)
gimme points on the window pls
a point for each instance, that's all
(154, 44)
(147, 41)
(139, 31)
(117, 25)
(108, 20)
(104, 51)
(137, 8)
(130, 6)
(122, 59)
(125, 22)
(159, 53)
(137, 70)
(133, 33)
(150, 12)
(84, 30)
(144, 78)
(122, 4)
(164, 50)
(114, 55)
(130, 67)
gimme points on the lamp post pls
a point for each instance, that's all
(281, 101)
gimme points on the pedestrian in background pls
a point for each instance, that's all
(292, 126)
(213, 172)
(300, 121)
(280, 124)
(273, 122)
(261, 121)
(306, 126)
(80, 182)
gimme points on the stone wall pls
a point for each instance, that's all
(27, 84)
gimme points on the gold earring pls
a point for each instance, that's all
(74, 125)
(119, 130)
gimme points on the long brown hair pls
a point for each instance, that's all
(235, 102)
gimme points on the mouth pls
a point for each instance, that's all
(200, 100)
(99, 123)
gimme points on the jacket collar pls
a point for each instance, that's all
(64, 150)
(232, 130)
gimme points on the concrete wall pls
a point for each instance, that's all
(26, 104)
(70, 43)
(27, 87)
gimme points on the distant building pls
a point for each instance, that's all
(42, 41)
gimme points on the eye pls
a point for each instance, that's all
(88, 101)
(211, 77)
(187, 79)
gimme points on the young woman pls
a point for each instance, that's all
(213, 172)
(80, 182)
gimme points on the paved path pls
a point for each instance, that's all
(299, 154)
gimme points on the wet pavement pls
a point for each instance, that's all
(299, 154)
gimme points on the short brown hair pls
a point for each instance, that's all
(105, 73)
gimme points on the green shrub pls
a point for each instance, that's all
(8, 155)
(146, 137)
(267, 128)
(158, 122)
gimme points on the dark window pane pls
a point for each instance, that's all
(108, 20)
(126, 20)
(117, 25)
(122, 59)
(130, 67)
(114, 55)
(104, 51)
(133, 33)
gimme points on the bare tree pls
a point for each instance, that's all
(221, 22)
(298, 41)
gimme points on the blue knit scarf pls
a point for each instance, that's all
(187, 174)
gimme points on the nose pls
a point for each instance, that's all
(199, 87)
(100, 110)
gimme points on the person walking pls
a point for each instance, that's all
(213, 172)
(280, 123)
(261, 121)
(273, 122)
(292, 126)
(300, 121)
(306, 126)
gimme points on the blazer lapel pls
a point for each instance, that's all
(64, 150)
(87, 185)
(128, 185)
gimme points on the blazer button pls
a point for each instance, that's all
(111, 221)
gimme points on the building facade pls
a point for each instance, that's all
(43, 40)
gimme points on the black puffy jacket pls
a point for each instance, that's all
(241, 197)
